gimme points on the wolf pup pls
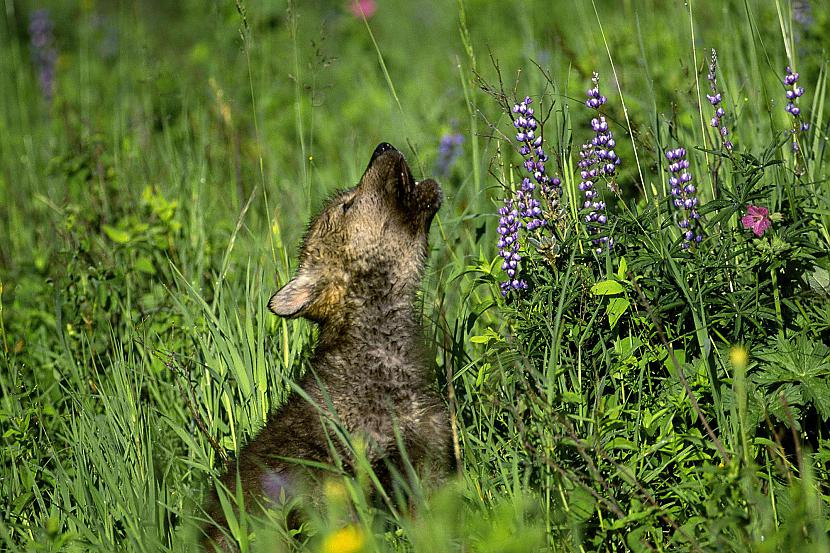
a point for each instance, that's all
(360, 268)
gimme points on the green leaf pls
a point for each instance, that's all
(117, 235)
(817, 391)
(581, 504)
(616, 308)
(481, 374)
(621, 443)
(818, 280)
(607, 288)
(627, 347)
(144, 265)
(680, 355)
(623, 269)
(488, 336)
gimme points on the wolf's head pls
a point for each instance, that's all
(368, 246)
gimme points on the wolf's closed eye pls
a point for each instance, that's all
(347, 204)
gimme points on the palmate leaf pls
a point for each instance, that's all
(801, 356)
(783, 402)
(797, 369)
(819, 281)
(817, 391)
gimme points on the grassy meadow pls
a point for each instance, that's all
(159, 162)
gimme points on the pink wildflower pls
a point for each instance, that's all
(363, 8)
(757, 219)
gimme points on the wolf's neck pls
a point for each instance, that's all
(378, 340)
(377, 324)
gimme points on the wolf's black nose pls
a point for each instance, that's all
(381, 148)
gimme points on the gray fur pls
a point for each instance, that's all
(360, 268)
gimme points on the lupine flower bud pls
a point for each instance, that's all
(715, 98)
(793, 93)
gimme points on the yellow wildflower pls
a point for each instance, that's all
(738, 356)
(346, 540)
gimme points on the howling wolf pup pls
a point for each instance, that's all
(360, 268)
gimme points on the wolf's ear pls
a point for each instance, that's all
(292, 299)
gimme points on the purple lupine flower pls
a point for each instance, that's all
(525, 210)
(109, 35)
(449, 148)
(595, 99)
(715, 99)
(44, 54)
(802, 12)
(802, 15)
(509, 224)
(684, 196)
(793, 93)
(529, 207)
(596, 216)
(529, 137)
(597, 158)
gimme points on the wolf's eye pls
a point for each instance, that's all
(347, 204)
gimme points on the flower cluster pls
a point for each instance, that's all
(529, 137)
(794, 92)
(588, 173)
(449, 148)
(715, 99)
(685, 199)
(597, 158)
(509, 225)
(525, 210)
(44, 54)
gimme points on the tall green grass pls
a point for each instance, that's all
(149, 212)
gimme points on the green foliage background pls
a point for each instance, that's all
(150, 209)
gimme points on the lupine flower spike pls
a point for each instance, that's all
(802, 13)
(509, 224)
(529, 137)
(715, 99)
(794, 92)
(44, 54)
(449, 148)
(526, 210)
(597, 158)
(684, 197)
